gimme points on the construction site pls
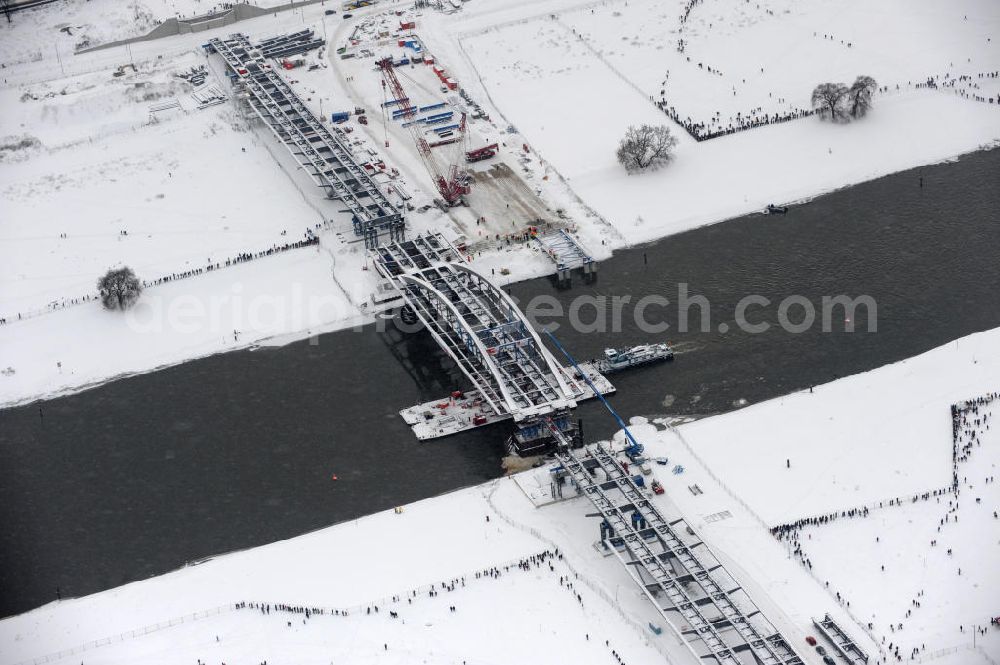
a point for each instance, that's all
(424, 272)
(292, 170)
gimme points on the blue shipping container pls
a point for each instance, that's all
(437, 121)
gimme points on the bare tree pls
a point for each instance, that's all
(119, 288)
(646, 146)
(860, 95)
(828, 100)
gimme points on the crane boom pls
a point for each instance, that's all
(450, 182)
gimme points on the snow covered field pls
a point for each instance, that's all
(872, 450)
(278, 298)
(526, 615)
(187, 195)
(882, 441)
(785, 48)
(90, 178)
(188, 189)
(572, 101)
(63, 27)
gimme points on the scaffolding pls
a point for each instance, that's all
(320, 152)
(692, 591)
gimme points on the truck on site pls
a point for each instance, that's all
(479, 154)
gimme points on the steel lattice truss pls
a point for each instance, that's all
(479, 326)
(692, 591)
(321, 153)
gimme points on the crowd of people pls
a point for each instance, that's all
(309, 239)
(433, 590)
(685, 15)
(703, 131)
(967, 86)
(243, 257)
(969, 420)
(543, 559)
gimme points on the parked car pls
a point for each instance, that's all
(829, 661)
(330, 12)
(810, 640)
(820, 650)
(348, 15)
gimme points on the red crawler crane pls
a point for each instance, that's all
(451, 180)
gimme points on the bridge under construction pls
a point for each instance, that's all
(485, 333)
(320, 152)
(516, 377)
(693, 592)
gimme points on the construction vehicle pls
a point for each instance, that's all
(479, 154)
(451, 180)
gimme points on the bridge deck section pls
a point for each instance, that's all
(321, 153)
(564, 250)
(692, 591)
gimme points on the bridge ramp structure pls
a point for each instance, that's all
(841, 642)
(564, 250)
(687, 585)
(480, 327)
(321, 153)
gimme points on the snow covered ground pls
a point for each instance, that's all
(882, 441)
(187, 188)
(785, 48)
(94, 178)
(63, 27)
(171, 192)
(79, 139)
(526, 615)
(867, 450)
(91, 165)
(572, 100)
(277, 298)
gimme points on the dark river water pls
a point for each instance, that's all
(138, 477)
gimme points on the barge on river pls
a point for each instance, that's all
(467, 410)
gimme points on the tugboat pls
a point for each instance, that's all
(615, 360)
(772, 209)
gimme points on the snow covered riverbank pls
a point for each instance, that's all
(572, 81)
(563, 78)
(519, 610)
